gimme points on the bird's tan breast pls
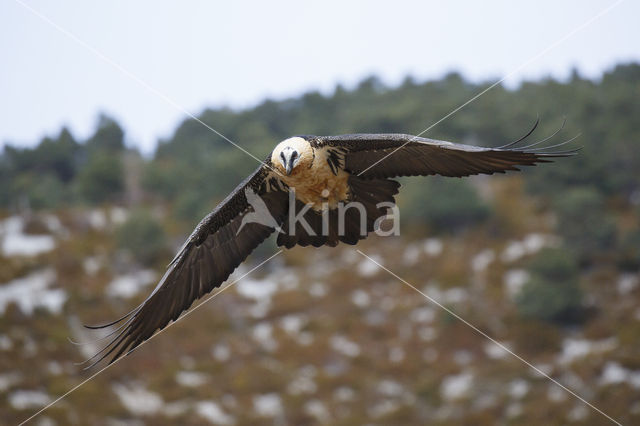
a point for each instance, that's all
(317, 185)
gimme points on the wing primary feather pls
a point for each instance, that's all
(109, 346)
(535, 125)
(111, 333)
(567, 153)
(109, 324)
(556, 145)
(564, 121)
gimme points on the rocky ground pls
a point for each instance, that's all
(316, 336)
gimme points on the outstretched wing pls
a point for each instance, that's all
(390, 155)
(220, 242)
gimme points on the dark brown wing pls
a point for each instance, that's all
(390, 155)
(207, 258)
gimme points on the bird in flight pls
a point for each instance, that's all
(309, 178)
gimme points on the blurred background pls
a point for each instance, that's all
(103, 174)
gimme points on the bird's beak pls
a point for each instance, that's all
(290, 161)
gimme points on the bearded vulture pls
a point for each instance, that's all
(322, 171)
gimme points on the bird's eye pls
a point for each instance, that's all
(294, 155)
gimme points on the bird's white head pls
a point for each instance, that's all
(291, 155)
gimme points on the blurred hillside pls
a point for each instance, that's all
(546, 261)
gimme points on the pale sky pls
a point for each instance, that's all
(203, 54)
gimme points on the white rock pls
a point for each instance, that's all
(344, 394)
(137, 400)
(46, 421)
(531, 244)
(53, 224)
(23, 399)
(317, 290)
(345, 346)
(213, 413)
(97, 219)
(316, 408)
(390, 388)
(191, 379)
(176, 408)
(518, 388)
(260, 308)
(433, 246)
(288, 281)
(27, 245)
(545, 368)
(578, 413)
(450, 296)
(411, 255)
(17, 243)
(627, 283)
(221, 352)
(268, 405)
(482, 260)
(54, 368)
(32, 292)
(614, 373)
(456, 386)
(455, 295)
(11, 225)
(127, 286)
(350, 257)
(424, 314)
(256, 289)
(494, 351)
(5, 342)
(91, 265)
(360, 298)
(118, 215)
(514, 280)
(368, 267)
(573, 349)
(302, 384)
(292, 324)
(514, 251)
(556, 393)
(262, 333)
